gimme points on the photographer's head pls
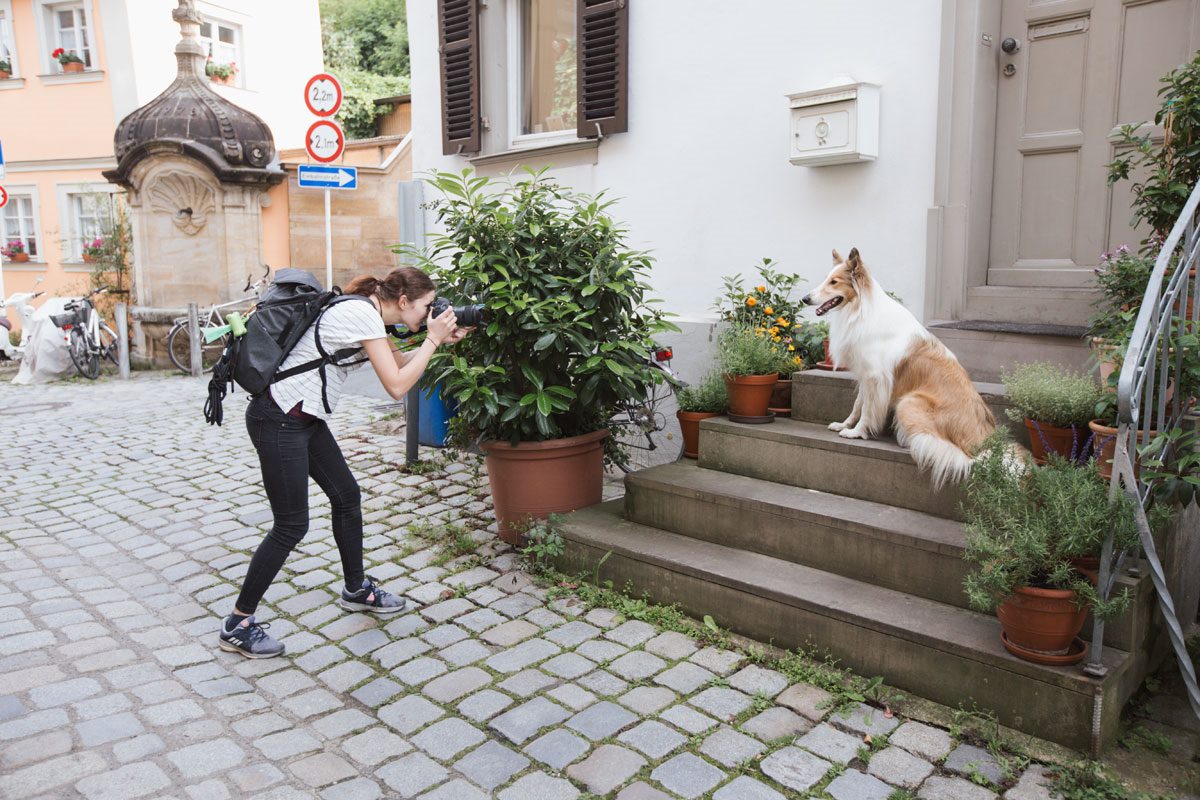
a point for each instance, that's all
(404, 295)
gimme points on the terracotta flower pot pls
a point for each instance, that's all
(87, 259)
(1088, 567)
(73, 66)
(226, 81)
(689, 425)
(1106, 358)
(828, 364)
(749, 395)
(1043, 622)
(1104, 448)
(536, 479)
(19, 258)
(781, 398)
(5, 75)
(1070, 443)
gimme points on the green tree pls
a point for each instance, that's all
(365, 43)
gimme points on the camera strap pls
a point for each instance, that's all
(336, 358)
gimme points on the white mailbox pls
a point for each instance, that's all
(836, 124)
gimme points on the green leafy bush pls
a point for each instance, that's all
(744, 351)
(570, 324)
(1025, 523)
(707, 396)
(1045, 393)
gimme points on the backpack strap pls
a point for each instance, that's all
(336, 358)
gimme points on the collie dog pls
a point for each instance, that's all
(900, 367)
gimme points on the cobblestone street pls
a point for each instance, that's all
(126, 525)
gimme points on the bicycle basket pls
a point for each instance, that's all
(65, 320)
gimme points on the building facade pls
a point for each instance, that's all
(57, 125)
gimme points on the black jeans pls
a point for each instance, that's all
(291, 450)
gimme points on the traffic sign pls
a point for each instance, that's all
(3, 197)
(323, 94)
(312, 176)
(325, 141)
(1, 161)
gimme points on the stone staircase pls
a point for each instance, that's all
(790, 534)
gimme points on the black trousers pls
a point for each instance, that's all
(290, 451)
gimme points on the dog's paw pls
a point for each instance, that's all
(837, 426)
(853, 433)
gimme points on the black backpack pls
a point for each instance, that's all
(292, 304)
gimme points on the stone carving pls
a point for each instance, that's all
(186, 11)
(186, 198)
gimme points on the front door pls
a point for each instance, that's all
(1071, 73)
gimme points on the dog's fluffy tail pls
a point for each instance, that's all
(944, 460)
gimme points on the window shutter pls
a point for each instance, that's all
(603, 70)
(458, 26)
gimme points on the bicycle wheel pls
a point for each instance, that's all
(649, 431)
(108, 343)
(83, 356)
(179, 348)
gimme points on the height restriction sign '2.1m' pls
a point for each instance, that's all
(325, 141)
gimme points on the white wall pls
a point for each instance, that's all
(703, 169)
(281, 46)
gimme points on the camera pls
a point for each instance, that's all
(468, 316)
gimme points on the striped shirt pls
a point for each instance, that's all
(346, 323)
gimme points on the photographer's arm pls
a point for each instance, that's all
(398, 372)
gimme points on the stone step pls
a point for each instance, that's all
(988, 348)
(823, 397)
(936, 651)
(882, 545)
(805, 454)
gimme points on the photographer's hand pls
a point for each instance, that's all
(458, 335)
(439, 329)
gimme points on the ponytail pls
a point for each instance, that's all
(409, 282)
(364, 285)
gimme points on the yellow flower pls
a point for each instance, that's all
(750, 301)
(774, 331)
(781, 322)
(791, 348)
(768, 310)
(798, 360)
(761, 289)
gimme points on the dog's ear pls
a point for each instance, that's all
(837, 258)
(854, 262)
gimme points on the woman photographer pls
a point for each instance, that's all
(287, 425)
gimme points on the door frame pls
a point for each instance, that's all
(958, 225)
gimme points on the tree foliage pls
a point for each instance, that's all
(365, 43)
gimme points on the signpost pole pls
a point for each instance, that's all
(328, 245)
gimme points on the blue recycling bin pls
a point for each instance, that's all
(433, 428)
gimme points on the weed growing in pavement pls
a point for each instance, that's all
(1086, 780)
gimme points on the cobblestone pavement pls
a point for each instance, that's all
(126, 525)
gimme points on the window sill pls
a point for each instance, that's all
(12, 83)
(87, 76)
(523, 153)
(76, 266)
(25, 266)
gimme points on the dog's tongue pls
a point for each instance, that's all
(828, 304)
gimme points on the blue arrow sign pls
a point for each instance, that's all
(1, 159)
(314, 176)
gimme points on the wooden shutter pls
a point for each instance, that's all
(458, 26)
(602, 77)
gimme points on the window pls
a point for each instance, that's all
(8, 46)
(18, 220)
(91, 217)
(223, 41)
(69, 30)
(547, 91)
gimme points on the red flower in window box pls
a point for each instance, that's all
(69, 61)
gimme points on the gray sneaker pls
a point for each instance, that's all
(249, 638)
(371, 598)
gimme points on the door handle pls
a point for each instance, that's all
(1010, 45)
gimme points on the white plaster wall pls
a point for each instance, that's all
(281, 46)
(703, 170)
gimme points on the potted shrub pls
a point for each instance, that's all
(568, 334)
(769, 309)
(708, 398)
(1121, 278)
(68, 60)
(5, 69)
(1024, 529)
(749, 363)
(221, 73)
(93, 250)
(15, 251)
(1056, 405)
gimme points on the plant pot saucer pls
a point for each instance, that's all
(828, 366)
(1075, 653)
(780, 412)
(770, 417)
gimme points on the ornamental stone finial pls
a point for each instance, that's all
(186, 11)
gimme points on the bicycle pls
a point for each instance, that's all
(90, 338)
(179, 339)
(648, 430)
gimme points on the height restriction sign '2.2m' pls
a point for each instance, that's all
(323, 94)
(325, 141)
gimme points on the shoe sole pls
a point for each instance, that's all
(233, 648)
(346, 604)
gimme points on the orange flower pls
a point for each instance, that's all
(774, 331)
(761, 289)
(781, 322)
(768, 310)
(750, 301)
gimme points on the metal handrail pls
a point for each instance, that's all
(1146, 405)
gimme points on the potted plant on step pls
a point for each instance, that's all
(1056, 406)
(68, 60)
(749, 362)
(15, 251)
(5, 69)
(567, 337)
(708, 398)
(1024, 528)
